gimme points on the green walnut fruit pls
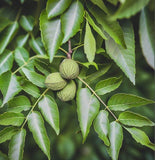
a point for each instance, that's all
(55, 82)
(68, 92)
(69, 69)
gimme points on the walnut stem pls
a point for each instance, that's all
(69, 50)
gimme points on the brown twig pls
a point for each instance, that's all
(69, 50)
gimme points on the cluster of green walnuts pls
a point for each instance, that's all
(62, 81)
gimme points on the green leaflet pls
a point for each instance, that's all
(87, 109)
(140, 137)
(21, 40)
(72, 19)
(89, 44)
(122, 102)
(51, 34)
(4, 23)
(49, 110)
(56, 7)
(124, 58)
(36, 126)
(16, 146)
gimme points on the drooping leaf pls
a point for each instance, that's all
(107, 85)
(9, 86)
(147, 37)
(51, 34)
(133, 119)
(122, 102)
(36, 126)
(129, 8)
(141, 137)
(19, 104)
(95, 27)
(21, 56)
(87, 109)
(7, 133)
(4, 23)
(111, 27)
(116, 138)
(72, 19)
(49, 109)
(56, 7)
(34, 77)
(7, 35)
(16, 146)
(101, 126)
(11, 118)
(27, 23)
(6, 61)
(89, 44)
(21, 40)
(124, 58)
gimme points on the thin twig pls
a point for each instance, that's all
(18, 14)
(63, 50)
(78, 47)
(69, 50)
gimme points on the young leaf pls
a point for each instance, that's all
(140, 137)
(10, 118)
(116, 138)
(27, 23)
(124, 58)
(56, 8)
(7, 35)
(72, 19)
(87, 109)
(4, 23)
(7, 133)
(107, 85)
(9, 86)
(95, 27)
(51, 34)
(147, 37)
(132, 119)
(6, 61)
(34, 77)
(111, 27)
(89, 44)
(50, 111)
(21, 56)
(21, 40)
(122, 102)
(16, 146)
(36, 126)
(129, 8)
(101, 126)
(19, 104)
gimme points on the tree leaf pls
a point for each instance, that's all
(34, 77)
(11, 118)
(101, 126)
(111, 27)
(95, 27)
(21, 56)
(147, 37)
(122, 102)
(114, 2)
(16, 146)
(140, 137)
(21, 40)
(19, 104)
(4, 23)
(56, 7)
(31, 89)
(50, 111)
(116, 138)
(129, 8)
(7, 35)
(7, 133)
(27, 23)
(6, 61)
(133, 119)
(107, 85)
(9, 86)
(124, 58)
(51, 34)
(87, 109)
(72, 19)
(89, 44)
(36, 126)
